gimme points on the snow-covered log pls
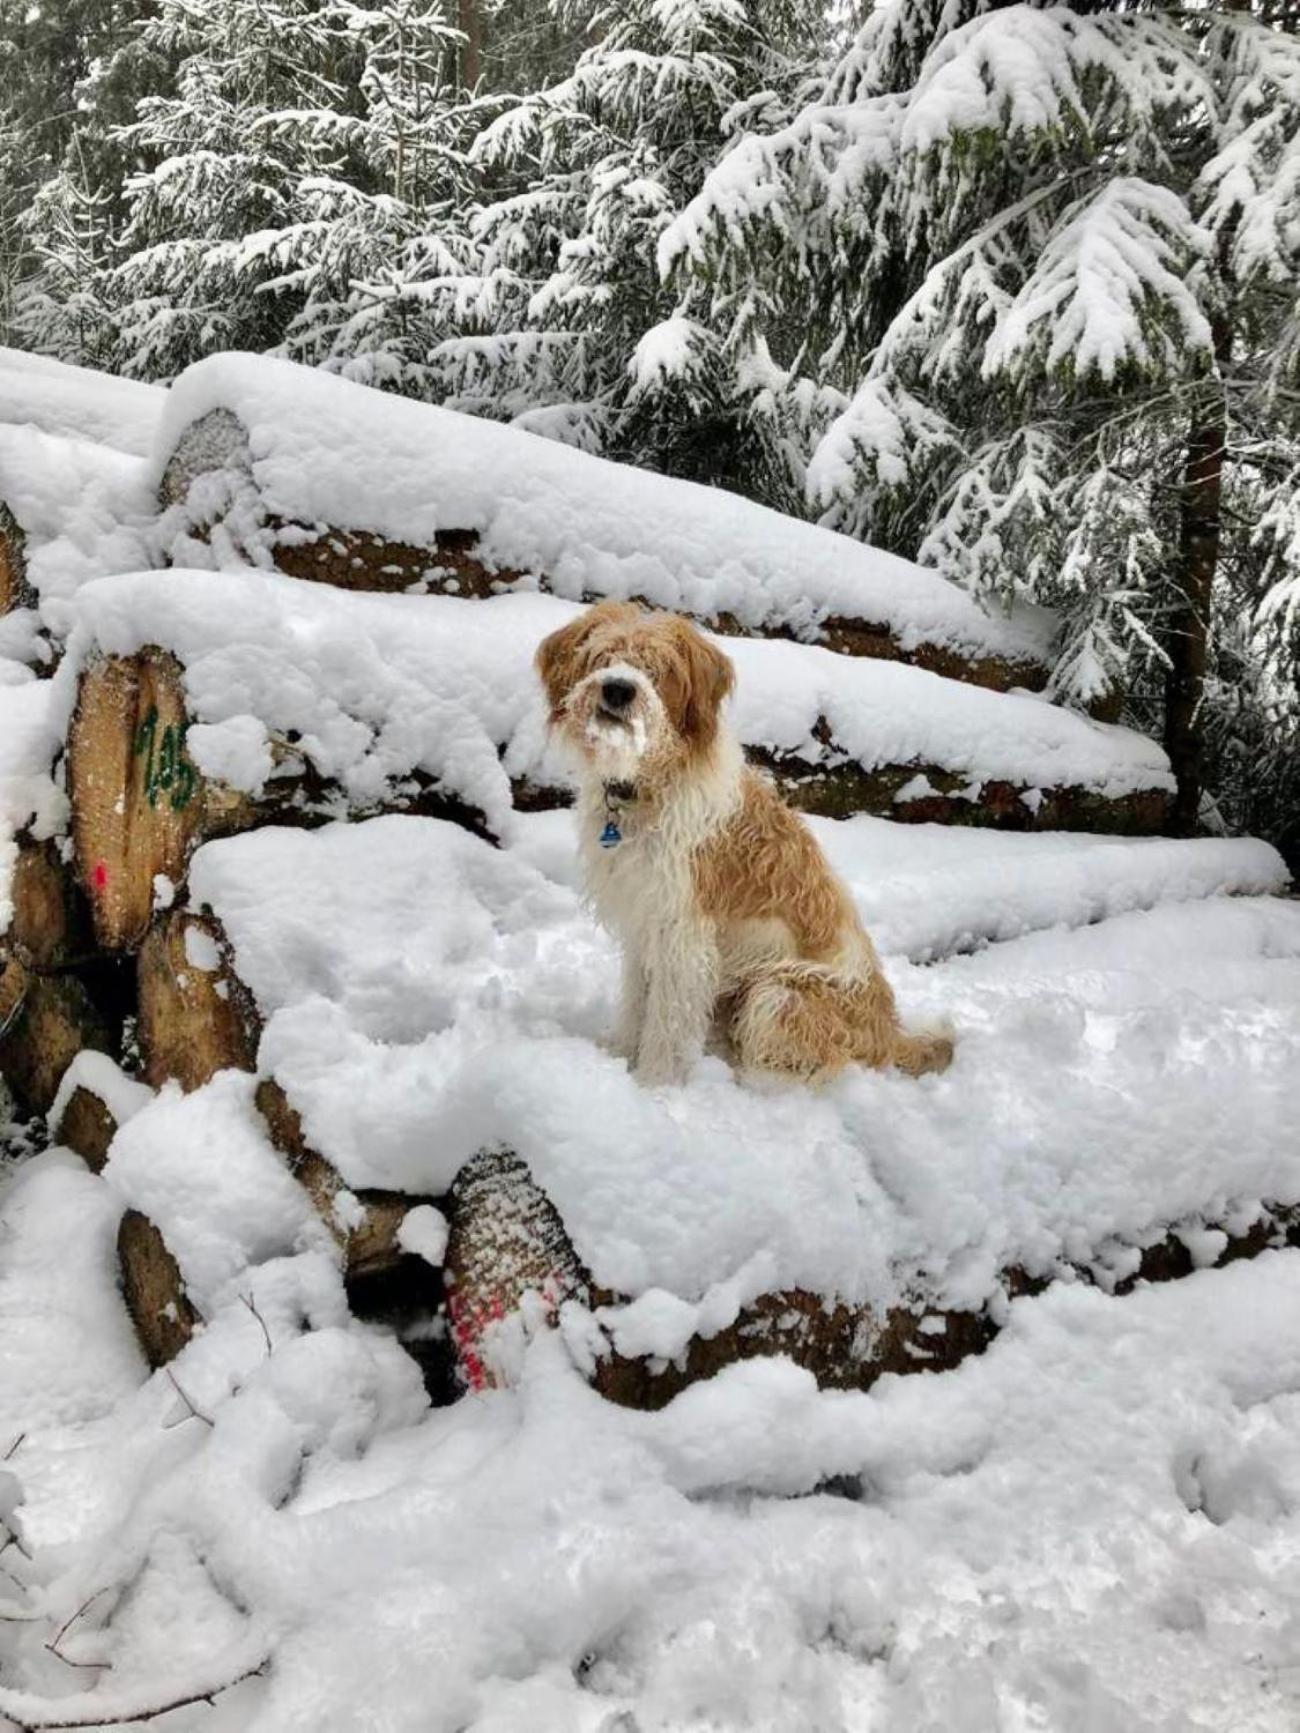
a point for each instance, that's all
(327, 480)
(196, 1017)
(511, 1268)
(78, 402)
(308, 702)
(365, 1225)
(95, 1097)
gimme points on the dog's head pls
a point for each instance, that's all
(636, 694)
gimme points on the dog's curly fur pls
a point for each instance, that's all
(731, 921)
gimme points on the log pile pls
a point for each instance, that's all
(103, 953)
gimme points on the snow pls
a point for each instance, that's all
(326, 451)
(78, 403)
(378, 687)
(1092, 1525)
(84, 510)
(411, 1029)
(424, 1231)
(34, 715)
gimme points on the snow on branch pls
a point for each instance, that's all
(1110, 289)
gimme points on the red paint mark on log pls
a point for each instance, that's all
(99, 875)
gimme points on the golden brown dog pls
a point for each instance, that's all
(730, 919)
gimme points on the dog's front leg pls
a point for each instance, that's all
(681, 974)
(632, 1003)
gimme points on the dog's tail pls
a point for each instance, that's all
(922, 1050)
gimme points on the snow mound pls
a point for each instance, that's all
(427, 996)
(378, 686)
(328, 452)
(84, 510)
(78, 402)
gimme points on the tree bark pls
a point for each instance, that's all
(1189, 628)
(471, 55)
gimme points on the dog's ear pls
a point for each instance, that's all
(707, 678)
(557, 659)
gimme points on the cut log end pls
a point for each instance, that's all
(45, 1021)
(507, 1240)
(154, 1290)
(15, 590)
(86, 1126)
(136, 796)
(196, 1015)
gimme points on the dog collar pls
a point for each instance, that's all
(617, 796)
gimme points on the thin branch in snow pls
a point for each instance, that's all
(261, 1321)
(197, 1413)
(127, 1717)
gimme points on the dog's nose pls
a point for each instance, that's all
(617, 694)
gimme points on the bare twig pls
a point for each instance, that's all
(125, 1717)
(261, 1320)
(71, 1620)
(197, 1413)
(13, 1448)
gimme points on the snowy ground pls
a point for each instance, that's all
(1095, 1526)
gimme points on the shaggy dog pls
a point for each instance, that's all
(731, 921)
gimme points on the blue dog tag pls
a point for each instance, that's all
(611, 836)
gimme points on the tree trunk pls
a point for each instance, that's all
(471, 55)
(1189, 628)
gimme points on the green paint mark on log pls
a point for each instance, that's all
(167, 769)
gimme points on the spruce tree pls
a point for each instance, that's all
(566, 322)
(1041, 266)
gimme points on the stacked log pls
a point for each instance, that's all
(508, 1247)
(196, 1017)
(357, 556)
(139, 805)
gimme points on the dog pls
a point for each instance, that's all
(732, 924)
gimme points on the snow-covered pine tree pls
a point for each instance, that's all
(397, 217)
(1036, 271)
(297, 149)
(567, 324)
(55, 103)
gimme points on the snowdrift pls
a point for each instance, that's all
(77, 402)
